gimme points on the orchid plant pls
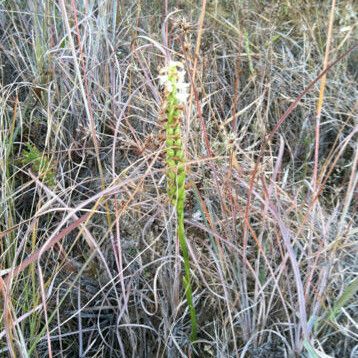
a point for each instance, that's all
(172, 77)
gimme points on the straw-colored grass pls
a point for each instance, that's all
(92, 251)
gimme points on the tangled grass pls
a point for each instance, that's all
(90, 263)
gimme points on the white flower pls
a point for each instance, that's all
(182, 97)
(163, 79)
(181, 76)
(175, 64)
(169, 86)
(172, 76)
(182, 94)
(182, 86)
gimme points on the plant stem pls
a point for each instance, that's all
(176, 178)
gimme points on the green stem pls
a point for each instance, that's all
(186, 279)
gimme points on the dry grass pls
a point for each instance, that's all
(90, 265)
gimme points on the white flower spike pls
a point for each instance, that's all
(172, 77)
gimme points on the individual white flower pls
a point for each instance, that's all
(183, 93)
(182, 97)
(169, 86)
(163, 79)
(175, 64)
(182, 86)
(181, 76)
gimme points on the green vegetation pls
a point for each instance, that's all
(39, 163)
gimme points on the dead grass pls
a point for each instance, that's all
(91, 266)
